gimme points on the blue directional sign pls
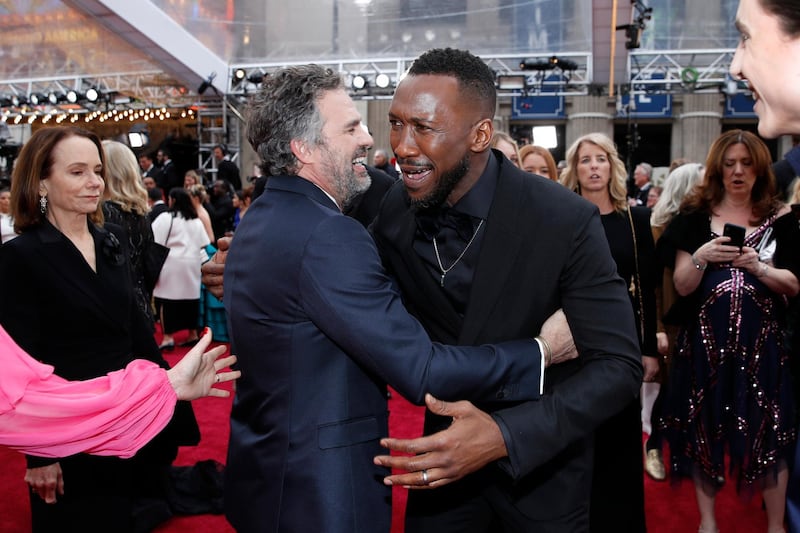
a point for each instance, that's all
(647, 102)
(543, 105)
(739, 105)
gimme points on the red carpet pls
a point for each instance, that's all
(669, 509)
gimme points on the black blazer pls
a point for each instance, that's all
(544, 249)
(156, 210)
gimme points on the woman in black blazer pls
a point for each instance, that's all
(68, 300)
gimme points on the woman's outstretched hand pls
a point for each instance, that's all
(195, 375)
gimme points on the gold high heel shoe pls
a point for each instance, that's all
(654, 465)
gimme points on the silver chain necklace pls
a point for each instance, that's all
(439, 259)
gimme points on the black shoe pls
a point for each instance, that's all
(168, 347)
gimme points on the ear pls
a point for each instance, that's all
(300, 150)
(42, 188)
(482, 138)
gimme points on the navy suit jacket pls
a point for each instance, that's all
(544, 249)
(319, 328)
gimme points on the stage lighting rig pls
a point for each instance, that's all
(633, 31)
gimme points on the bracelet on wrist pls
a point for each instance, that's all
(698, 265)
(548, 352)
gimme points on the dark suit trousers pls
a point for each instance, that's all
(480, 504)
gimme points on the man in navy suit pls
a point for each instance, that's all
(319, 328)
(528, 247)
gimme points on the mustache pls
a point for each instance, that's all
(412, 163)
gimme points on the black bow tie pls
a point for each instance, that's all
(431, 221)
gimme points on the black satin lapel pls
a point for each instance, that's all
(498, 255)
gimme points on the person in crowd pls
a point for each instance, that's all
(168, 177)
(729, 391)
(199, 197)
(677, 186)
(642, 175)
(125, 204)
(150, 183)
(155, 201)
(71, 305)
(241, 203)
(496, 288)
(595, 171)
(306, 280)
(538, 160)
(43, 414)
(255, 174)
(190, 179)
(6, 220)
(765, 59)
(380, 160)
(653, 195)
(505, 143)
(222, 213)
(149, 169)
(560, 166)
(177, 292)
(788, 169)
(227, 170)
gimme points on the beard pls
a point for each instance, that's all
(447, 182)
(346, 182)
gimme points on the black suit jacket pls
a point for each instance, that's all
(544, 249)
(156, 210)
(169, 178)
(228, 171)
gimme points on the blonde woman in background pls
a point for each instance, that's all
(506, 144)
(595, 171)
(538, 160)
(199, 198)
(126, 205)
(190, 179)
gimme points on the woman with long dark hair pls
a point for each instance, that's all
(177, 292)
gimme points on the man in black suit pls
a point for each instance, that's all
(169, 178)
(484, 252)
(642, 175)
(149, 169)
(227, 169)
(155, 199)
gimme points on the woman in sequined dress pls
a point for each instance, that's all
(729, 390)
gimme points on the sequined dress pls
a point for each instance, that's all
(730, 389)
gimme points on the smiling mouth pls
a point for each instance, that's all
(416, 175)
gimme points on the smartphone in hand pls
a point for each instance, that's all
(736, 233)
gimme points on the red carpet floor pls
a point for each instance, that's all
(669, 509)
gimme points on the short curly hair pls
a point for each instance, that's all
(286, 109)
(474, 76)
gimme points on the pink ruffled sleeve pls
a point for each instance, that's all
(45, 415)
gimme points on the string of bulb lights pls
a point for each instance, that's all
(115, 115)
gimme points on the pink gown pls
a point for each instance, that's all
(43, 414)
